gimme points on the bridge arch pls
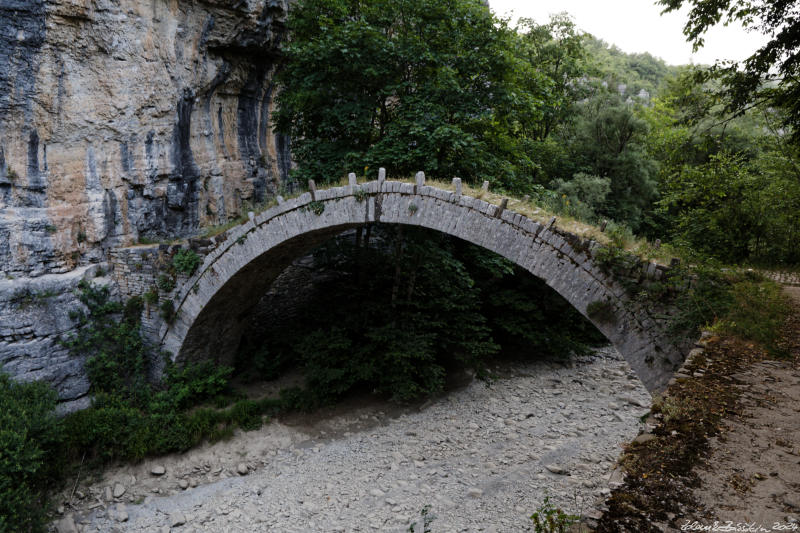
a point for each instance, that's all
(211, 306)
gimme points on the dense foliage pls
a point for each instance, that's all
(728, 190)
(545, 110)
(404, 84)
(131, 417)
(108, 336)
(29, 436)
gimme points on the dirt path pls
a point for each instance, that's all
(753, 474)
(724, 454)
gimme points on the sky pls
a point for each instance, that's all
(638, 26)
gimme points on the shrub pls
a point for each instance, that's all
(168, 311)
(550, 519)
(151, 296)
(113, 430)
(195, 382)
(186, 261)
(757, 313)
(108, 336)
(29, 433)
(246, 414)
(165, 282)
(583, 196)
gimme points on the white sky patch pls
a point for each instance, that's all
(637, 26)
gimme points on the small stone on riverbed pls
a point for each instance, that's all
(556, 469)
(177, 519)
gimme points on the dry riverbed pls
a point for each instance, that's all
(482, 458)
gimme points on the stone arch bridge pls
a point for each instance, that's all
(211, 305)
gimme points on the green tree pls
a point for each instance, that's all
(736, 210)
(614, 67)
(404, 84)
(609, 143)
(556, 51)
(770, 75)
(729, 188)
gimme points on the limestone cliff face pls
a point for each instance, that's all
(122, 119)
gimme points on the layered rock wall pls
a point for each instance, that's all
(34, 319)
(124, 119)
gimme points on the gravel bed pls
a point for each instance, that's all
(482, 458)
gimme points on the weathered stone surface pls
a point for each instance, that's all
(121, 119)
(34, 316)
(177, 519)
(129, 118)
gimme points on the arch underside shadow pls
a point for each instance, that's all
(213, 305)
